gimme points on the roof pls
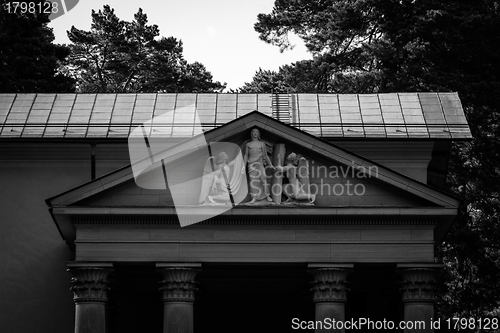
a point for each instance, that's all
(393, 115)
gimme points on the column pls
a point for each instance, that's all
(330, 292)
(418, 290)
(178, 288)
(90, 288)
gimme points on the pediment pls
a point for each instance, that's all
(343, 178)
(335, 185)
(381, 193)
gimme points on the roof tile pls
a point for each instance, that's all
(393, 115)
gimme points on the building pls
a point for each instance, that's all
(70, 202)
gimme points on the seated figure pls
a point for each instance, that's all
(217, 175)
(297, 190)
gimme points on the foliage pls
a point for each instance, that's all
(29, 61)
(308, 76)
(391, 45)
(120, 56)
(415, 45)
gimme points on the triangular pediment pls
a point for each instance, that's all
(384, 193)
(347, 179)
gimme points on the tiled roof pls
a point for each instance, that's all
(394, 115)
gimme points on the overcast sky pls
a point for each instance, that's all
(217, 33)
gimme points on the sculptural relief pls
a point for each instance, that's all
(257, 160)
(297, 190)
(221, 179)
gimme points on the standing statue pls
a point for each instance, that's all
(255, 153)
(217, 174)
(297, 190)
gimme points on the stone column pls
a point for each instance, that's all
(418, 290)
(178, 288)
(330, 292)
(90, 295)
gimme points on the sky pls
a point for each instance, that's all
(217, 33)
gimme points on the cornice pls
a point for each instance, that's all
(261, 220)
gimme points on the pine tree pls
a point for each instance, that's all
(29, 61)
(121, 56)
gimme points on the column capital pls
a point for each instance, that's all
(178, 283)
(330, 282)
(89, 281)
(418, 283)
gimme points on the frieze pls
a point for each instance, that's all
(261, 220)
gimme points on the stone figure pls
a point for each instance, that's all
(216, 176)
(255, 153)
(297, 190)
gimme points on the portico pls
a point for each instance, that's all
(345, 256)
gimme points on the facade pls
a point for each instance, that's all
(352, 237)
